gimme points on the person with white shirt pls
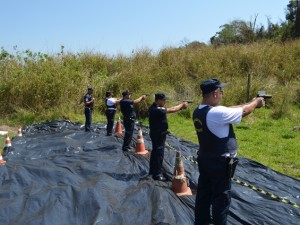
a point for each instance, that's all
(110, 111)
(217, 151)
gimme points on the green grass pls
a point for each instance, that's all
(270, 142)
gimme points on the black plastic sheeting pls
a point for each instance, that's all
(58, 174)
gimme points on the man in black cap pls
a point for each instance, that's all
(88, 100)
(217, 151)
(129, 116)
(110, 111)
(158, 131)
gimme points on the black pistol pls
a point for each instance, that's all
(188, 101)
(264, 95)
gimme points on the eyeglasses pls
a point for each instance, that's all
(219, 90)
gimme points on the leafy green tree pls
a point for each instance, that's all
(236, 32)
(293, 18)
(242, 32)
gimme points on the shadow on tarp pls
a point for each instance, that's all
(58, 174)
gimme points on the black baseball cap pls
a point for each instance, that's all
(210, 85)
(90, 89)
(109, 93)
(160, 96)
(125, 93)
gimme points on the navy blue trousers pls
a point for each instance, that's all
(129, 127)
(88, 112)
(157, 155)
(214, 191)
(110, 116)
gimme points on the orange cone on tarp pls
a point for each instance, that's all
(140, 145)
(2, 161)
(118, 129)
(7, 141)
(20, 132)
(179, 180)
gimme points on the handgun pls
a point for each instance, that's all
(264, 95)
(146, 94)
(188, 101)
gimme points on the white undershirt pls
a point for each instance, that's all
(111, 101)
(219, 118)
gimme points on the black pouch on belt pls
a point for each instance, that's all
(232, 163)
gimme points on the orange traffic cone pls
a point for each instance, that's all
(118, 129)
(7, 141)
(140, 146)
(20, 132)
(179, 181)
(2, 162)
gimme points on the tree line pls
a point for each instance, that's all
(246, 32)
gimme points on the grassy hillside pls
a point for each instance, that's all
(35, 87)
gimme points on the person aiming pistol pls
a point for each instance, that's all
(217, 151)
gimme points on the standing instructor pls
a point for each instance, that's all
(88, 100)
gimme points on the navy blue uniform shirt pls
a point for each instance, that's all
(157, 119)
(88, 98)
(126, 106)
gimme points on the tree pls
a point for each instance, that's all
(241, 32)
(293, 18)
(236, 32)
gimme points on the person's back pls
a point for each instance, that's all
(157, 119)
(126, 106)
(158, 131)
(110, 111)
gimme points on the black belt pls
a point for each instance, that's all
(129, 118)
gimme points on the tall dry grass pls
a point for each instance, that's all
(35, 86)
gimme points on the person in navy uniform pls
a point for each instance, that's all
(129, 116)
(110, 111)
(88, 100)
(158, 131)
(217, 149)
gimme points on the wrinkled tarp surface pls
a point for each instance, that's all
(58, 174)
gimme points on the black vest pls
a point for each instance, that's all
(209, 144)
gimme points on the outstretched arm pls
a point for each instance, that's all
(138, 100)
(251, 106)
(117, 100)
(176, 108)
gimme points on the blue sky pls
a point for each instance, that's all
(119, 26)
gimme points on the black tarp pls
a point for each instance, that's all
(58, 174)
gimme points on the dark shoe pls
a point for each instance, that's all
(159, 178)
(128, 150)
